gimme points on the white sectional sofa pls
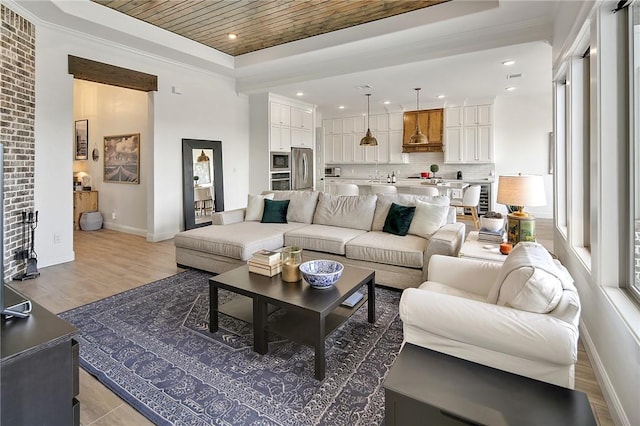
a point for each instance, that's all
(344, 228)
(521, 316)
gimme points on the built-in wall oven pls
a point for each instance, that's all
(280, 161)
(281, 181)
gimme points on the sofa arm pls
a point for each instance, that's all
(523, 334)
(471, 275)
(228, 217)
(446, 241)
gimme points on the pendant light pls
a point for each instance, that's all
(368, 139)
(203, 158)
(418, 136)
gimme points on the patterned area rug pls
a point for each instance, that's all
(151, 346)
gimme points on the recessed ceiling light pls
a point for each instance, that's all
(299, 94)
(510, 89)
(341, 107)
(232, 36)
(508, 62)
(386, 102)
(440, 96)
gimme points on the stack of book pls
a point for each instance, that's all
(265, 262)
(486, 236)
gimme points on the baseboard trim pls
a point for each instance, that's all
(608, 392)
(126, 229)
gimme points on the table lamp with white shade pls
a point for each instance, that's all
(521, 191)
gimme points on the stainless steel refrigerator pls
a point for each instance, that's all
(301, 168)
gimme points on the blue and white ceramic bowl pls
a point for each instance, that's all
(321, 273)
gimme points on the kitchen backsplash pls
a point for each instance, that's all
(420, 162)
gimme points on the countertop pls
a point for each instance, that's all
(366, 181)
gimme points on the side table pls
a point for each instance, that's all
(481, 250)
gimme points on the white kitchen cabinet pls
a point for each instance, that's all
(280, 138)
(336, 126)
(270, 130)
(334, 149)
(280, 114)
(301, 138)
(396, 121)
(386, 128)
(453, 117)
(350, 142)
(301, 119)
(396, 131)
(469, 134)
(484, 144)
(379, 123)
(354, 125)
(380, 153)
(396, 156)
(478, 115)
(453, 144)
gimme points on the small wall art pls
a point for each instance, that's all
(122, 158)
(82, 140)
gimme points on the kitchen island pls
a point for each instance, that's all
(450, 187)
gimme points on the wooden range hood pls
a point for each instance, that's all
(431, 124)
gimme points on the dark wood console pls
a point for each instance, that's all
(40, 361)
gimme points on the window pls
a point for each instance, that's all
(560, 166)
(578, 104)
(634, 154)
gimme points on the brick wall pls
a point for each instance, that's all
(17, 118)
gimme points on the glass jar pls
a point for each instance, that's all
(291, 260)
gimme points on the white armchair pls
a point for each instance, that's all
(475, 310)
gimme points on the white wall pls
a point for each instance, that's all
(609, 319)
(521, 134)
(208, 108)
(112, 111)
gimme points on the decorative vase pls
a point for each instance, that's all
(505, 248)
(291, 260)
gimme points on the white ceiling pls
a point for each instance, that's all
(456, 50)
(459, 78)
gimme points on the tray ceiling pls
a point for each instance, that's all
(259, 24)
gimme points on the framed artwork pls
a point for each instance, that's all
(122, 158)
(82, 140)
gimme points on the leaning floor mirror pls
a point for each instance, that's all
(202, 187)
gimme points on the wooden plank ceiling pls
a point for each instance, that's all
(259, 24)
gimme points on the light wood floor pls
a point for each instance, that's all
(109, 262)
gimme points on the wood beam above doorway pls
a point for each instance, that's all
(98, 72)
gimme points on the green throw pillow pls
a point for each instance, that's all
(398, 219)
(275, 211)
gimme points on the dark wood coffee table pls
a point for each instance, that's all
(311, 316)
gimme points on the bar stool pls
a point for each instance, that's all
(470, 200)
(383, 189)
(344, 189)
(424, 190)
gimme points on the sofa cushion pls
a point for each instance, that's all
(236, 240)
(427, 219)
(275, 211)
(324, 238)
(398, 219)
(355, 212)
(255, 206)
(381, 247)
(302, 204)
(529, 280)
(384, 201)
